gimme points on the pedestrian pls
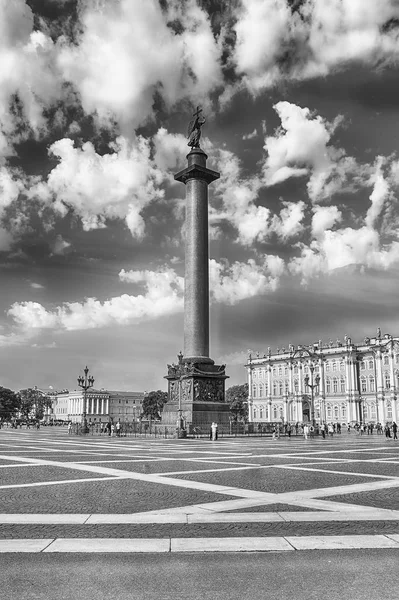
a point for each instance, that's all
(296, 428)
(323, 430)
(387, 431)
(361, 429)
(118, 429)
(101, 427)
(288, 430)
(395, 430)
(306, 431)
(214, 431)
(69, 428)
(331, 429)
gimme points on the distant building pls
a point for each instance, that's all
(102, 406)
(358, 382)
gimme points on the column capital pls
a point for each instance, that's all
(196, 171)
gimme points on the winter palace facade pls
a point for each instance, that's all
(336, 382)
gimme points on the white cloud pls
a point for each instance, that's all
(231, 284)
(300, 147)
(115, 185)
(276, 41)
(60, 245)
(126, 52)
(37, 286)
(379, 194)
(27, 70)
(324, 217)
(288, 223)
(163, 295)
(341, 248)
(170, 150)
(250, 136)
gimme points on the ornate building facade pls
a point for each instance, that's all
(339, 382)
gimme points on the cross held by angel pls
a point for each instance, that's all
(194, 128)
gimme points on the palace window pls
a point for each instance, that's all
(329, 412)
(255, 413)
(342, 385)
(371, 364)
(363, 384)
(274, 371)
(275, 413)
(342, 365)
(280, 388)
(328, 386)
(335, 385)
(285, 370)
(362, 365)
(336, 412)
(373, 410)
(266, 413)
(266, 389)
(254, 391)
(389, 411)
(306, 369)
(296, 370)
(287, 388)
(371, 383)
(296, 385)
(274, 388)
(387, 381)
(260, 390)
(343, 412)
(386, 360)
(280, 370)
(365, 411)
(261, 413)
(334, 366)
(327, 366)
(281, 412)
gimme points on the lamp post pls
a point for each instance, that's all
(312, 386)
(85, 383)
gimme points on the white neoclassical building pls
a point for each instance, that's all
(101, 406)
(339, 382)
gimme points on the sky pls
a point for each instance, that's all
(302, 122)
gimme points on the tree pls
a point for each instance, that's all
(153, 404)
(32, 403)
(9, 404)
(237, 398)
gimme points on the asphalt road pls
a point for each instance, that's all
(357, 575)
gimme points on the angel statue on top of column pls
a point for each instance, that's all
(194, 129)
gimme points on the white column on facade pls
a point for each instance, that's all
(322, 392)
(250, 401)
(393, 384)
(348, 387)
(356, 392)
(300, 393)
(269, 393)
(380, 387)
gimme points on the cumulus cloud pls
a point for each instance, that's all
(231, 284)
(341, 248)
(301, 147)
(279, 40)
(324, 217)
(162, 296)
(250, 136)
(379, 195)
(170, 150)
(37, 286)
(127, 52)
(119, 184)
(28, 74)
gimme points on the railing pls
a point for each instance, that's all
(157, 430)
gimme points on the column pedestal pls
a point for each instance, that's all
(196, 395)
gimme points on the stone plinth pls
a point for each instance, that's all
(196, 392)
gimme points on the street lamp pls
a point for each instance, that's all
(85, 383)
(312, 386)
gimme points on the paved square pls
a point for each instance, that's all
(191, 495)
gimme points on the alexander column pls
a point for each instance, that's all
(196, 385)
